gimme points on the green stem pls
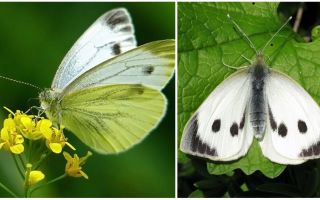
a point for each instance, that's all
(22, 162)
(42, 158)
(47, 183)
(26, 181)
(29, 151)
(18, 166)
(8, 190)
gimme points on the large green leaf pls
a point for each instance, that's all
(207, 39)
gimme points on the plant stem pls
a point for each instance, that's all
(22, 162)
(18, 166)
(47, 183)
(8, 190)
(29, 151)
(42, 158)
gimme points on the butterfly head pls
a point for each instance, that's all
(49, 100)
(259, 58)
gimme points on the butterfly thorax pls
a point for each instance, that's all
(257, 107)
(49, 101)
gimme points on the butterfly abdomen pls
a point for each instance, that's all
(257, 107)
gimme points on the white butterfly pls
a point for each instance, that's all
(255, 102)
(107, 91)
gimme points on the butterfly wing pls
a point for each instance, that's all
(113, 118)
(117, 103)
(220, 129)
(151, 64)
(109, 35)
(293, 128)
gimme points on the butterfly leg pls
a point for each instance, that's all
(34, 107)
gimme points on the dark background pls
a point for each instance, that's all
(34, 37)
(296, 181)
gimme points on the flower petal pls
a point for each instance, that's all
(35, 177)
(55, 147)
(4, 134)
(19, 139)
(17, 149)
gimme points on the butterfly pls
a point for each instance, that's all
(107, 91)
(255, 102)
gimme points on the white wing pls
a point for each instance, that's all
(293, 126)
(109, 35)
(220, 129)
(151, 64)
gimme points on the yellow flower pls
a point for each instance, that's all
(74, 165)
(55, 139)
(29, 128)
(33, 176)
(10, 140)
(26, 125)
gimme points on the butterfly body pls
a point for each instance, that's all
(257, 107)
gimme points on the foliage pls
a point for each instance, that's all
(206, 40)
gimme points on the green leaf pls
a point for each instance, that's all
(197, 194)
(252, 162)
(315, 33)
(207, 39)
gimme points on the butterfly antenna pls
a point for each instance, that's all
(243, 33)
(20, 82)
(288, 20)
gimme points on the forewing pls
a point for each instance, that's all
(111, 119)
(220, 128)
(293, 130)
(110, 35)
(151, 64)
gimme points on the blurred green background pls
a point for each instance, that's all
(34, 38)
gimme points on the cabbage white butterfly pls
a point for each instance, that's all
(255, 102)
(106, 90)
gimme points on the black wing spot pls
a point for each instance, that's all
(140, 90)
(116, 18)
(193, 130)
(234, 129)
(313, 150)
(243, 120)
(302, 126)
(273, 123)
(116, 49)
(216, 125)
(148, 70)
(282, 130)
(203, 148)
(196, 144)
(127, 29)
